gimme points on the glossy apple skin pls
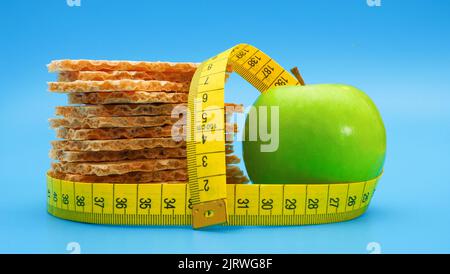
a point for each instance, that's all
(328, 133)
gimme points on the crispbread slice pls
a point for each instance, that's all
(127, 97)
(114, 133)
(69, 76)
(234, 171)
(119, 167)
(109, 156)
(133, 166)
(232, 159)
(229, 148)
(116, 110)
(116, 145)
(117, 85)
(237, 179)
(112, 122)
(174, 131)
(160, 176)
(104, 65)
(231, 108)
(131, 110)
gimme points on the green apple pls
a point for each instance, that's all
(328, 133)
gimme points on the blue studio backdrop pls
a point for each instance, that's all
(397, 51)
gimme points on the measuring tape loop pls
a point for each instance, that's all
(171, 204)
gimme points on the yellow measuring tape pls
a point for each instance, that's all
(207, 199)
(171, 204)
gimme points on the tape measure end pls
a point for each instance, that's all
(209, 213)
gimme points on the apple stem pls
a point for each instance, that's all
(297, 75)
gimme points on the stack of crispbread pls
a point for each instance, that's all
(120, 126)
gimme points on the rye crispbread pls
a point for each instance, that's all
(132, 110)
(105, 65)
(116, 145)
(70, 76)
(127, 97)
(109, 156)
(114, 133)
(117, 85)
(174, 131)
(123, 167)
(118, 167)
(116, 110)
(112, 122)
(126, 144)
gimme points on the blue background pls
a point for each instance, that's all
(397, 53)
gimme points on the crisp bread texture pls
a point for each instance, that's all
(117, 85)
(116, 145)
(237, 179)
(120, 167)
(114, 133)
(160, 176)
(132, 110)
(232, 159)
(104, 65)
(127, 97)
(176, 132)
(70, 76)
(229, 149)
(123, 132)
(117, 110)
(234, 171)
(112, 122)
(109, 156)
